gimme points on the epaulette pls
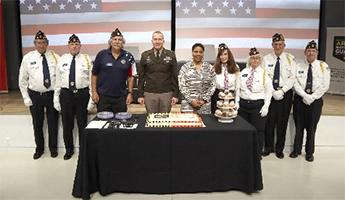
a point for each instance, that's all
(289, 59)
(322, 66)
(88, 62)
(53, 54)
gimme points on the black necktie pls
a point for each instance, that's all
(157, 55)
(276, 75)
(46, 75)
(72, 76)
(309, 84)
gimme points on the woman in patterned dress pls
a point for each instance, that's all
(197, 83)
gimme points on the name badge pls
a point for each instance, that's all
(33, 63)
(301, 72)
(270, 65)
(244, 75)
(65, 65)
(109, 64)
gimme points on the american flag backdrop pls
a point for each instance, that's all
(93, 21)
(243, 24)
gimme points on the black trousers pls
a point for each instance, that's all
(39, 102)
(73, 105)
(278, 117)
(306, 117)
(250, 111)
(114, 104)
(214, 99)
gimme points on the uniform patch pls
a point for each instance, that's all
(109, 64)
(123, 61)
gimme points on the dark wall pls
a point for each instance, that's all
(331, 15)
(13, 47)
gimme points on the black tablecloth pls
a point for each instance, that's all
(218, 157)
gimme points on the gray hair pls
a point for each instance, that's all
(123, 41)
(248, 60)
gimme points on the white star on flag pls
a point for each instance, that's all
(178, 4)
(69, 1)
(93, 5)
(186, 11)
(248, 10)
(225, 3)
(22, 1)
(46, 7)
(194, 3)
(218, 10)
(202, 11)
(85, 0)
(30, 7)
(233, 10)
(240, 3)
(62, 6)
(210, 4)
(38, 1)
(77, 6)
(53, 1)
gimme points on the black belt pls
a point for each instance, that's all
(42, 93)
(251, 101)
(76, 90)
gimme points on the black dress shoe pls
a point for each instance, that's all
(68, 155)
(280, 155)
(309, 158)
(37, 154)
(54, 154)
(265, 153)
(294, 154)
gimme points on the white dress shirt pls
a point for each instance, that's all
(262, 85)
(287, 69)
(233, 82)
(321, 78)
(83, 67)
(31, 72)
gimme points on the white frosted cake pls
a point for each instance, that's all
(174, 120)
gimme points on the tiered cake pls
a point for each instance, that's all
(174, 120)
(226, 107)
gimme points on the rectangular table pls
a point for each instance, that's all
(219, 157)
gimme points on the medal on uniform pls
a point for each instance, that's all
(123, 62)
(46, 80)
(71, 83)
(275, 80)
(308, 90)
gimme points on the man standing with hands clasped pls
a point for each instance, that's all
(36, 83)
(113, 69)
(281, 68)
(72, 93)
(313, 79)
(157, 86)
